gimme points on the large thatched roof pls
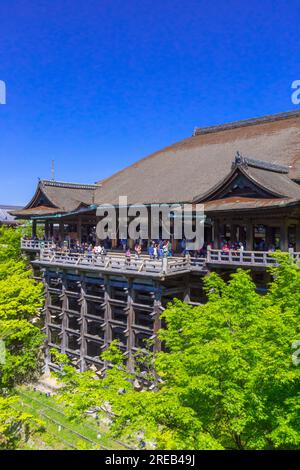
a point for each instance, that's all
(192, 167)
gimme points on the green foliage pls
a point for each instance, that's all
(226, 379)
(15, 426)
(21, 340)
(92, 392)
(20, 296)
(23, 352)
(9, 243)
(20, 299)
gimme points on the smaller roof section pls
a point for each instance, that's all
(5, 217)
(52, 197)
(254, 179)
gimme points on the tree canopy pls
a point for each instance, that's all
(21, 340)
(226, 379)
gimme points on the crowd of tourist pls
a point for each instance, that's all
(156, 249)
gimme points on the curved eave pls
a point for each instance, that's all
(61, 214)
(39, 211)
(212, 193)
(35, 198)
(243, 204)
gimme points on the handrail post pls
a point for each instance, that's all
(208, 254)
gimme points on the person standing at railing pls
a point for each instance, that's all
(123, 243)
(202, 252)
(151, 250)
(103, 253)
(165, 250)
(155, 251)
(127, 256)
(90, 251)
(138, 250)
(225, 247)
(183, 247)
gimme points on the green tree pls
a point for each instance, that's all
(226, 380)
(21, 339)
(20, 299)
(10, 248)
(15, 426)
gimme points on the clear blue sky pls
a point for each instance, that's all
(98, 84)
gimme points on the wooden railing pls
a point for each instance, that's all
(35, 245)
(115, 262)
(197, 264)
(246, 258)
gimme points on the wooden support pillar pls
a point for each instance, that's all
(47, 230)
(249, 236)
(83, 326)
(298, 238)
(79, 229)
(284, 236)
(216, 234)
(61, 231)
(130, 322)
(233, 232)
(64, 325)
(187, 290)
(34, 228)
(269, 238)
(98, 241)
(157, 314)
(107, 312)
(51, 230)
(47, 322)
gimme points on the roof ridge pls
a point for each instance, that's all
(64, 184)
(240, 160)
(246, 122)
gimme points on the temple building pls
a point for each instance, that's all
(246, 174)
(5, 217)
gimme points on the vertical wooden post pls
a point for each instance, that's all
(187, 290)
(283, 236)
(51, 231)
(130, 322)
(61, 232)
(157, 313)
(34, 228)
(83, 313)
(107, 313)
(79, 229)
(216, 234)
(233, 234)
(298, 237)
(64, 324)
(269, 240)
(47, 321)
(249, 236)
(47, 230)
